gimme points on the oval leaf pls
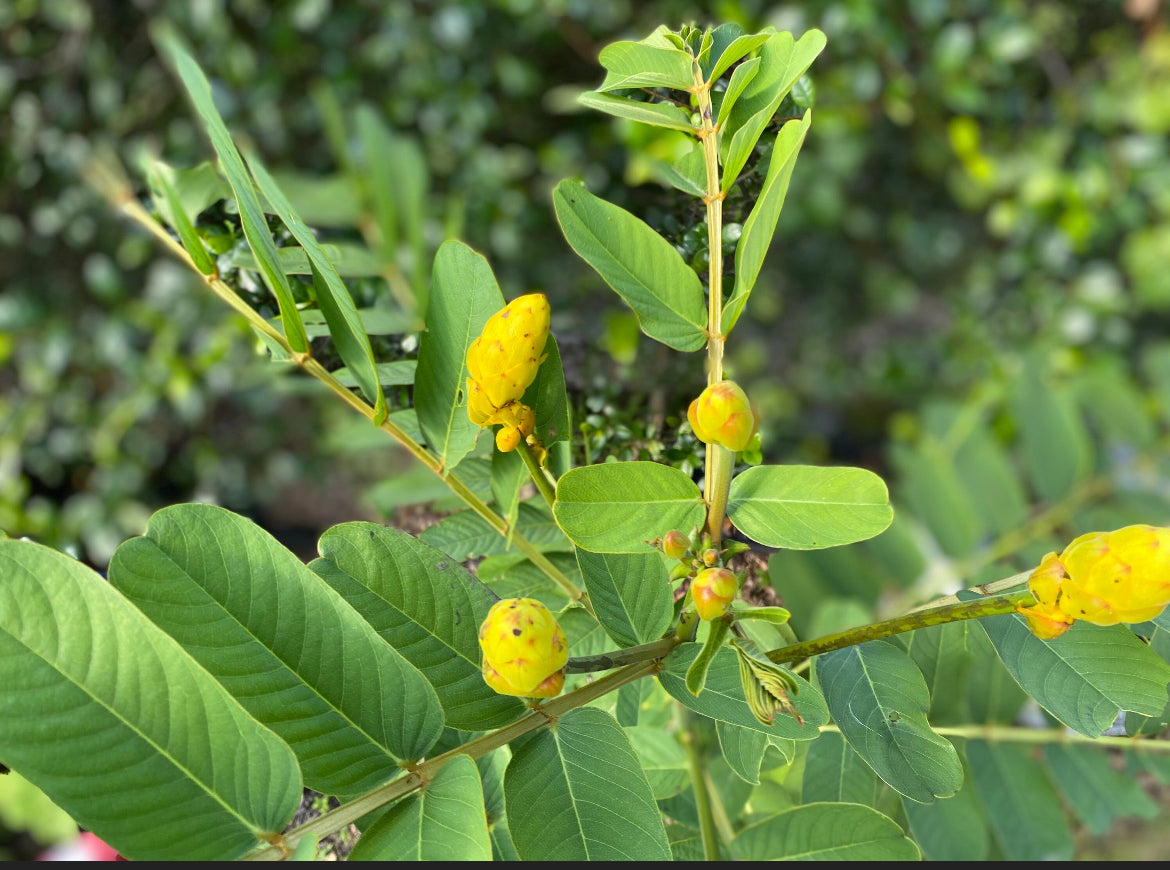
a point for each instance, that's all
(805, 507)
(464, 295)
(630, 594)
(620, 507)
(304, 662)
(577, 792)
(637, 65)
(113, 721)
(444, 821)
(656, 114)
(427, 606)
(824, 832)
(879, 700)
(641, 266)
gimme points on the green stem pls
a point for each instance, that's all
(1012, 734)
(539, 476)
(707, 829)
(106, 177)
(620, 658)
(546, 713)
(898, 625)
(719, 467)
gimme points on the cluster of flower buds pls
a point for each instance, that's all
(524, 649)
(713, 586)
(502, 363)
(1102, 577)
(722, 415)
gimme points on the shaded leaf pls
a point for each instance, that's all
(834, 772)
(663, 760)
(467, 535)
(824, 832)
(630, 593)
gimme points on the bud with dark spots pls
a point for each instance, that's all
(524, 649)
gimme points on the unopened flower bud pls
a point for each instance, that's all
(504, 360)
(675, 544)
(722, 415)
(523, 648)
(507, 439)
(713, 590)
(710, 556)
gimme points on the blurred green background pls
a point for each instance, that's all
(968, 291)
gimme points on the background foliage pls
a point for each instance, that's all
(966, 294)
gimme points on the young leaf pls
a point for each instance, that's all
(426, 606)
(879, 701)
(305, 664)
(834, 772)
(783, 61)
(824, 832)
(630, 594)
(656, 114)
(345, 324)
(113, 721)
(638, 65)
(805, 507)
(251, 213)
(696, 676)
(1084, 676)
(722, 698)
(444, 821)
(761, 223)
(620, 507)
(739, 47)
(1025, 813)
(577, 792)
(641, 266)
(740, 79)
(463, 296)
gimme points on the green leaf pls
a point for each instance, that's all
(375, 321)
(696, 676)
(805, 507)
(992, 694)
(467, 535)
(783, 61)
(577, 792)
(1057, 451)
(118, 726)
(426, 606)
(663, 760)
(1084, 676)
(345, 324)
(1025, 813)
(740, 79)
(464, 295)
(377, 144)
(399, 373)
(879, 701)
(524, 580)
(951, 829)
(934, 491)
(1096, 792)
(322, 200)
(761, 223)
(824, 832)
(941, 655)
(744, 749)
(445, 821)
(619, 507)
(722, 698)
(687, 174)
(834, 772)
(196, 188)
(656, 114)
(637, 65)
(990, 482)
(630, 594)
(641, 266)
(305, 663)
(251, 213)
(350, 260)
(740, 47)
(549, 400)
(178, 218)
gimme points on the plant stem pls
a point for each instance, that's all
(620, 658)
(105, 175)
(539, 475)
(1013, 734)
(707, 829)
(546, 713)
(909, 622)
(714, 201)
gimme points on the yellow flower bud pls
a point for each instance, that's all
(712, 591)
(523, 648)
(504, 360)
(722, 415)
(675, 544)
(507, 439)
